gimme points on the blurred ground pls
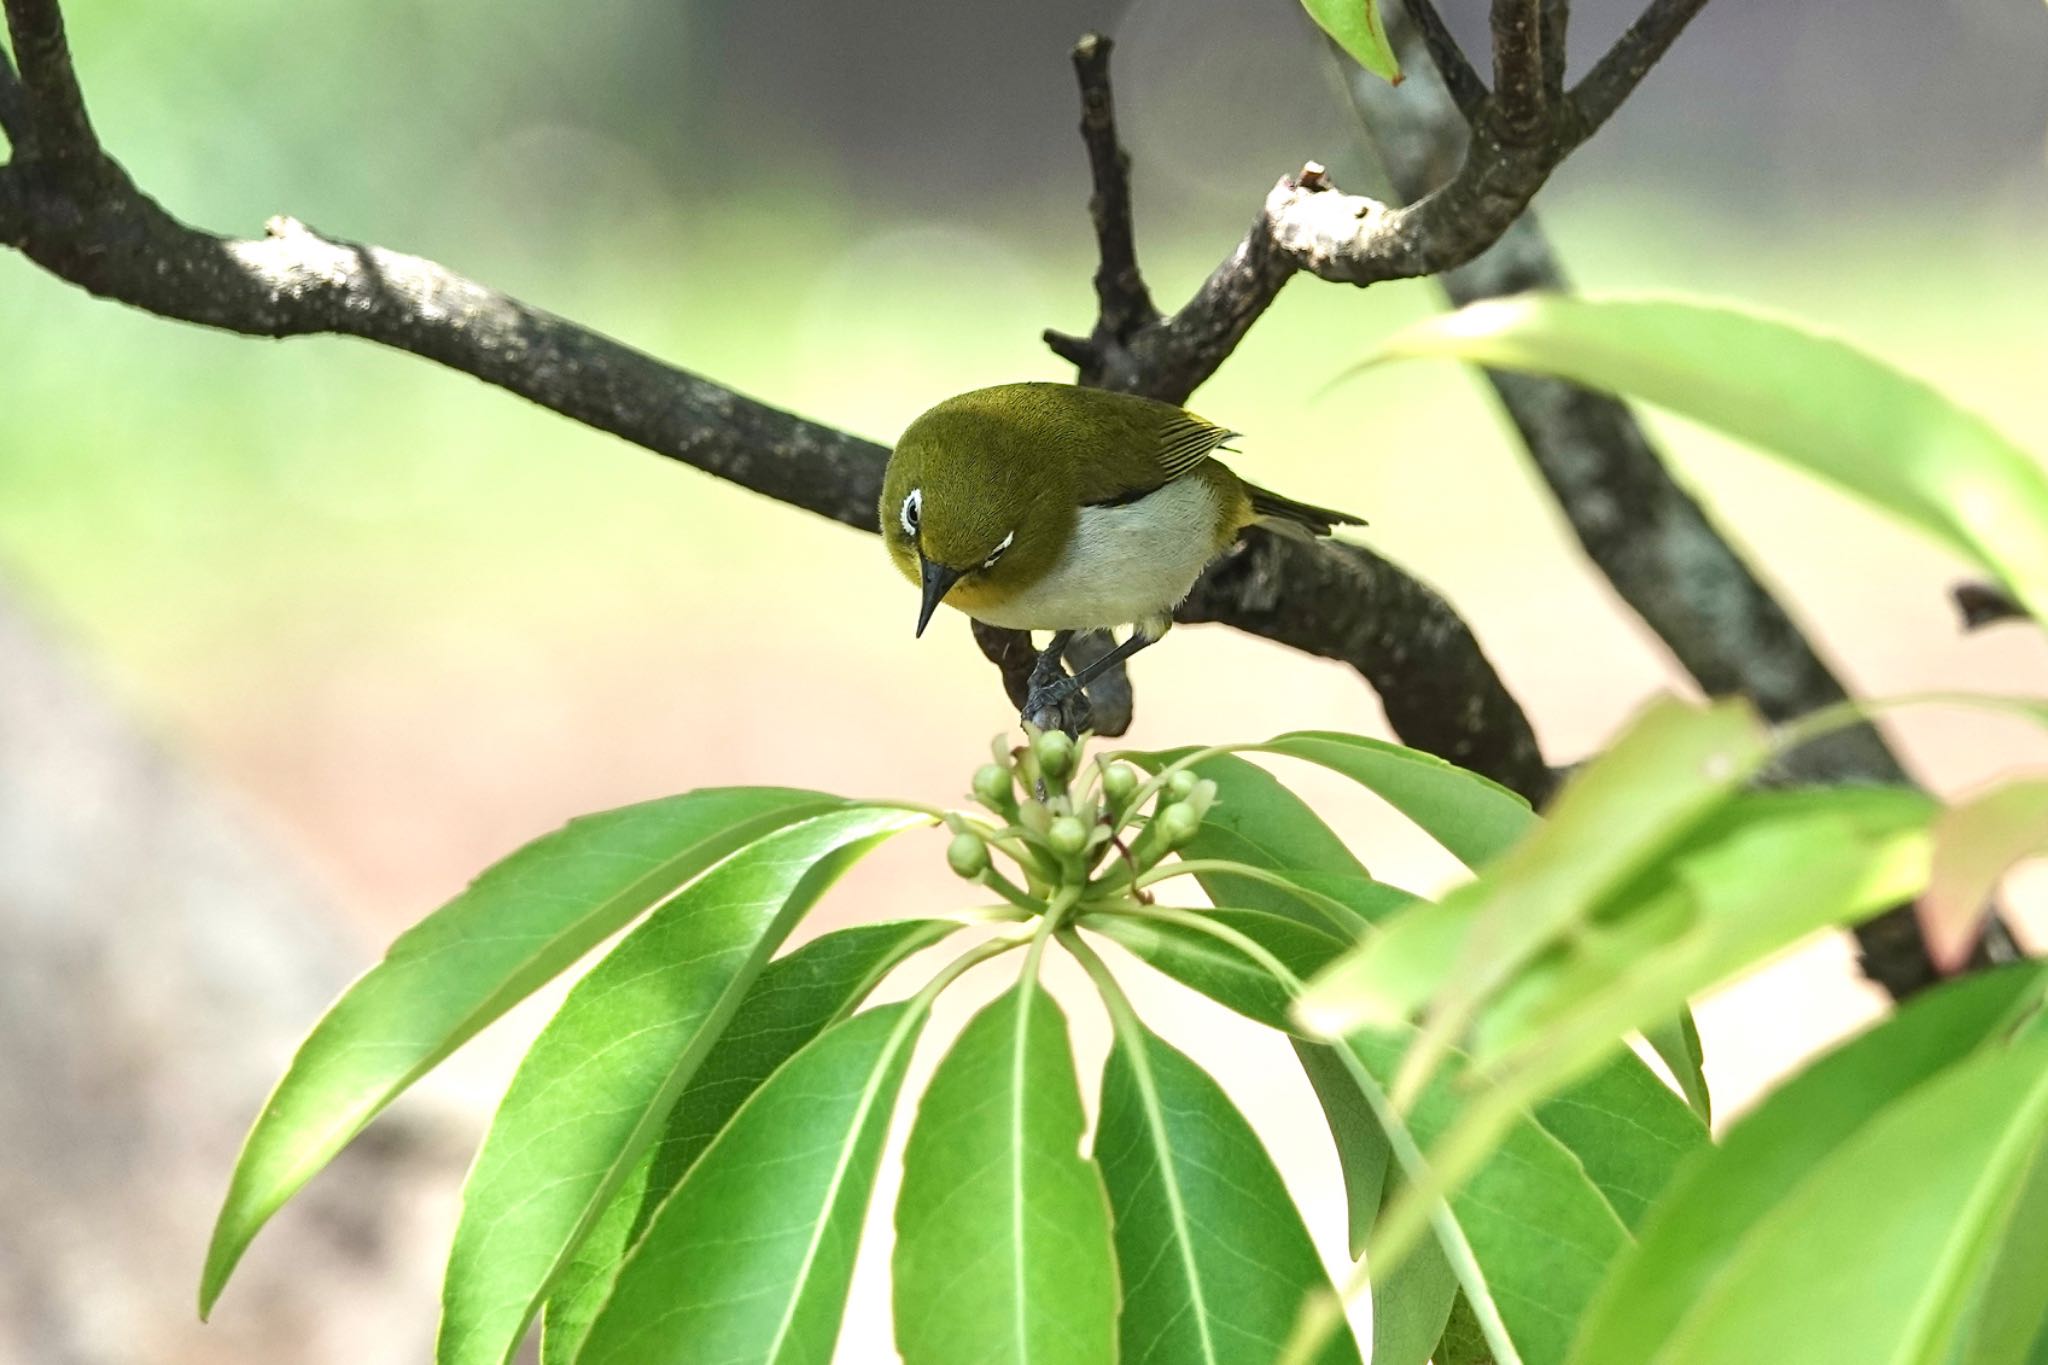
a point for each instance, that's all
(408, 622)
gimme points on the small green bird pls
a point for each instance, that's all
(1060, 508)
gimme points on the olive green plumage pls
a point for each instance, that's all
(1055, 507)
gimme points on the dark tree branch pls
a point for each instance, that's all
(1649, 537)
(55, 130)
(1985, 604)
(1466, 88)
(1439, 691)
(1519, 135)
(13, 103)
(1615, 76)
(1520, 107)
(1126, 305)
(1556, 20)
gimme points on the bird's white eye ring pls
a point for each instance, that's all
(997, 553)
(912, 506)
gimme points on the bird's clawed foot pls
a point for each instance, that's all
(1055, 700)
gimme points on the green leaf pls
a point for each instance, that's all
(1975, 844)
(1529, 1234)
(1362, 1151)
(1534, 1228)
(1474, 817)
(522, 922)
(1676, 1041)
(1701, 1224)
(1916, 1204)
(1356, 27)
(1003, 1253)
(1217, 969)
(1411, 1306)
(796, 998)
(1215, 1256)
(751, 1258)
(592, 1093)
(1673, 766)
(1812, 400)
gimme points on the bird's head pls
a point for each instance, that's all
(973, 503)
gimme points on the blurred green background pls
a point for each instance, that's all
(410, 621)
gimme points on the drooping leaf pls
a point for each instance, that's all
(1357, 28)
(751, 1258)
(1003, 1252)
(1812, 400)
(1707, 1214)
(1362, 1151)
(522, 922)
(1411, 1305)
(1215, 1258)
(592, 1093)
(796, 998)
(1975, 844)
(1916, 1205)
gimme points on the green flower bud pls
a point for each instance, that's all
(1067, 835)
(967, 854)
(994, 789)
(1201, 798)
(1181, 785)
(1119, 785)
(1055, 754)
(1177, 824)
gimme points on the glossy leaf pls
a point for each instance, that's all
(796, 998)
(1528, 1233)
(1217, 969)
(1257, 820)
(1707, 1214)
(1357, 28)
(1813, 400)
(751, 1258)
(1215, 1258)
(1003, 1253)
(1474, 817)
(521, 923)
(592, 1093)
(1673, 766)
(1975, 844)
(1913, 1207)
(1533, 1230)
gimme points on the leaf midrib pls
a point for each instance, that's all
(1169, 1177)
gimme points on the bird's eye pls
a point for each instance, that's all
(997, 553)
(913, 506)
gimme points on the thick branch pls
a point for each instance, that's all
(13, 103)
(1615, 76)
(56, 129)
(1518, 86)
(1119, 289)
(1649, 537)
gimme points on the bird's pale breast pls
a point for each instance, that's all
(1123, 564)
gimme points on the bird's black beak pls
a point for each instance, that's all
(937, 580)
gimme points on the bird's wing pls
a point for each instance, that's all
(1164, 450)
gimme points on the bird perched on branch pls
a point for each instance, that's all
(1059, 508)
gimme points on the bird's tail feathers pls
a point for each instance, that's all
(1299, 518)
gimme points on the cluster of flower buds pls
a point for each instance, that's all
(1092, 826)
